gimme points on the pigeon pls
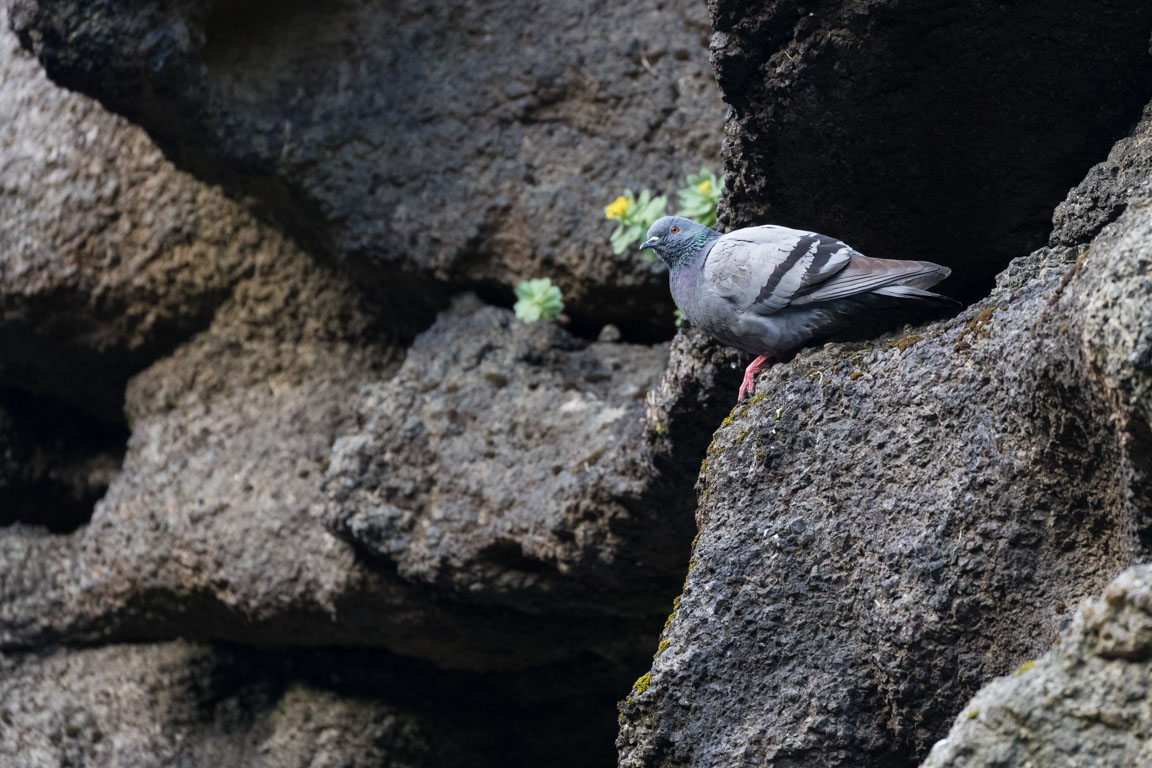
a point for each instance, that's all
(769, 290)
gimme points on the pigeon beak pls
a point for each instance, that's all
(650, 243)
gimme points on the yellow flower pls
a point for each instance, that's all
(616, 209)
(705, 187)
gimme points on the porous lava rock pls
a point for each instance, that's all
(506, 461)
(110, 255)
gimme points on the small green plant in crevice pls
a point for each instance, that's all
(634, 215)
(679, 317)
(538, 300)
(699, 199)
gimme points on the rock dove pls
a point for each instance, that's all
(769, 290)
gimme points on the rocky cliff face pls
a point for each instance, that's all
(283, 473)
(887, 525)
(924, 128)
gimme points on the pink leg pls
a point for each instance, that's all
(757, 365)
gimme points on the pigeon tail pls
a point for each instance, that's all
(881, 276)
(908, 292)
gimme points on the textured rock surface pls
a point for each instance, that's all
(448, 141)
(884, 528)
(945, 131)
(506, 461)
(253, 358)
(1109, 186)
(168, 704)
(1085, 703)
(215, 526)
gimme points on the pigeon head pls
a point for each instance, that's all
(677, 240)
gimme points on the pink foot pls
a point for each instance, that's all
(749, 384)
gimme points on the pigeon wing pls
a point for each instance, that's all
(763, 269)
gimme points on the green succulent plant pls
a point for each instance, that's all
(634, 216)
(698, 200)
(676, 313)
(538, 300)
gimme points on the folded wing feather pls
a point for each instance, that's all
(761, 269)
(764, 269)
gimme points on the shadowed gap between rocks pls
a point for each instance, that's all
(191, 696)
(942, 132)
(56, 461)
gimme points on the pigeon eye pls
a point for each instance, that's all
(674, 230)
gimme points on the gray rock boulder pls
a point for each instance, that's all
(426, 144)
(1107, 189)
(203, 705)
(246, 362)
(149, 706)
(1085, 703)
(215, 527)
(175, 373)
(516, 464)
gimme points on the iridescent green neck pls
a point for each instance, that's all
(681, 253)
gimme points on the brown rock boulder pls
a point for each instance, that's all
(110, 256)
